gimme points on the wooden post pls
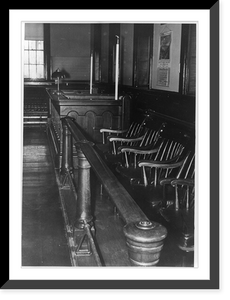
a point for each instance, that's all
(67, 156)
(117, 68)
(91, 74)
(83, 205)
(145, 241)
(176, 198)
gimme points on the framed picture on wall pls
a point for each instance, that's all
(165, 45)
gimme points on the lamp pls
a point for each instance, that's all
(58, 74)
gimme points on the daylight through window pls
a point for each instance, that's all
(34, 59)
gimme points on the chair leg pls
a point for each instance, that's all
(126, 160)
(144, 177)
(176, 199)
(101, 189)
(187, 198)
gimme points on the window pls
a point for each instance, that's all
(34, 59)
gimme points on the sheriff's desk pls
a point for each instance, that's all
(91, 111)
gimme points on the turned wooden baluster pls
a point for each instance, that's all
(84, 218)
(67, 156)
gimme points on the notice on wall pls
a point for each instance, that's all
(163, 76)
(164, 60)
(166, 57)
(163, 68)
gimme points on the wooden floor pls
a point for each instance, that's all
(49, 211)
(48, 214)
(43, 235)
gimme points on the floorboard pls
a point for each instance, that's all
(43, 230)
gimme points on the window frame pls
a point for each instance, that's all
(46, 57)
(29, 49)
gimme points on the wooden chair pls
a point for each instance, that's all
(134, 130)
(147, 142)
(145, 165)
(139, 134)
(180, 212)
(185, 175)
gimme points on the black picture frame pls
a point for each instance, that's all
(214, 280)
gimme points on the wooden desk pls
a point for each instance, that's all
(91, 111)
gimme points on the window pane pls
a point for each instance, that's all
(39, 57)
(26, 44)
(32, 57)
(32, 45)
(32, 70)
(40, 71)
(26, 57)
(40, 45)
(26, 71)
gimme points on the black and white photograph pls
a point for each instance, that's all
(108, 162)
(116, 178)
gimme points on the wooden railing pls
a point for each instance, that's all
(144, 238)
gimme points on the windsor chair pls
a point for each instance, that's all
(180, 212)
(140, 161)
(182, 183)
(138, 134)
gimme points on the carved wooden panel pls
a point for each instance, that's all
(92, 119)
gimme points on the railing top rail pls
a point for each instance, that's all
(127, 207)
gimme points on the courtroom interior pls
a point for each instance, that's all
(109, 143)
